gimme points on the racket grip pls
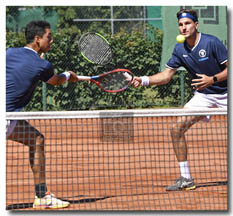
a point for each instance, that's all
(84, 77)
(127, 76)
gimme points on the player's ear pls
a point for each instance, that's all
(37, 38)
(196, 24)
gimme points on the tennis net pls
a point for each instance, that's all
(121, 160)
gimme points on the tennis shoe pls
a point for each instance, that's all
(49, 202)
(182, 184)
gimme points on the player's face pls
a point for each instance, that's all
(187, 27)
(45, 41)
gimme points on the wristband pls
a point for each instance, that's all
(145, 81)
(66, 74)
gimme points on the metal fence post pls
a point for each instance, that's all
(182, 87)
(44, 100)
(44, 89)
(112, 20)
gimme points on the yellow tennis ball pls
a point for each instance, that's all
(180, 38)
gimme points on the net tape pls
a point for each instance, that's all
(114, 113)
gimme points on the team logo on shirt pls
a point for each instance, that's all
(202, 53)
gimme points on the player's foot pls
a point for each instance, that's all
(182, 184)
(49, 202)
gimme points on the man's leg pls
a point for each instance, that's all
(180, 148)
(30, 136)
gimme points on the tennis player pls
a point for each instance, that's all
(205, 58)
(24, 68)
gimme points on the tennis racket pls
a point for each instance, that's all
(95, 48)
(113, 81)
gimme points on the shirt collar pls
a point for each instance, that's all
(196, 43)
(31, 49)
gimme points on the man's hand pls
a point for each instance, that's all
(203, 82)
(136, 82)
(73, 77)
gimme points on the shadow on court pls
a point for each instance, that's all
(209, 184)
(91, 200)
(30, 205)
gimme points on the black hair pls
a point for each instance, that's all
(35, 28)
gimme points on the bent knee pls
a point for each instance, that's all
(177, 131)
(40, 139)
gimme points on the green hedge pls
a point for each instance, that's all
(135, 51)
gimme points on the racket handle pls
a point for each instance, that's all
(84, 77)
(127, 76)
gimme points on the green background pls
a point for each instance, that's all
(212, 20)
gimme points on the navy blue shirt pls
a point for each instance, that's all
(206, 57)
(24, 68)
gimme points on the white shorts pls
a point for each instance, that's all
(200, 100)
(10, 126)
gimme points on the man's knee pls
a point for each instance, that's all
(176, 131)
(40, 139)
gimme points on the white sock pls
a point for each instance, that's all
(184, 169)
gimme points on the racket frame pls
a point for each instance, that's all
(98, 77)
(101, 36)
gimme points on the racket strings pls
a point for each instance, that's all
(115, 81)
(96, 49)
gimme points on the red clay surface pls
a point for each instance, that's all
(122, 164)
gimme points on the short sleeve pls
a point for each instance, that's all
(47, 73)
(174, 62)
(220, 51)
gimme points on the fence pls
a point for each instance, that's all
(135, 34)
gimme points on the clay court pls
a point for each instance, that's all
(122, 164)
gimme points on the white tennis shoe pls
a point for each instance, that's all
(182, 184)
(49, 202)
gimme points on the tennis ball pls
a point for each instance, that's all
(180, 38)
